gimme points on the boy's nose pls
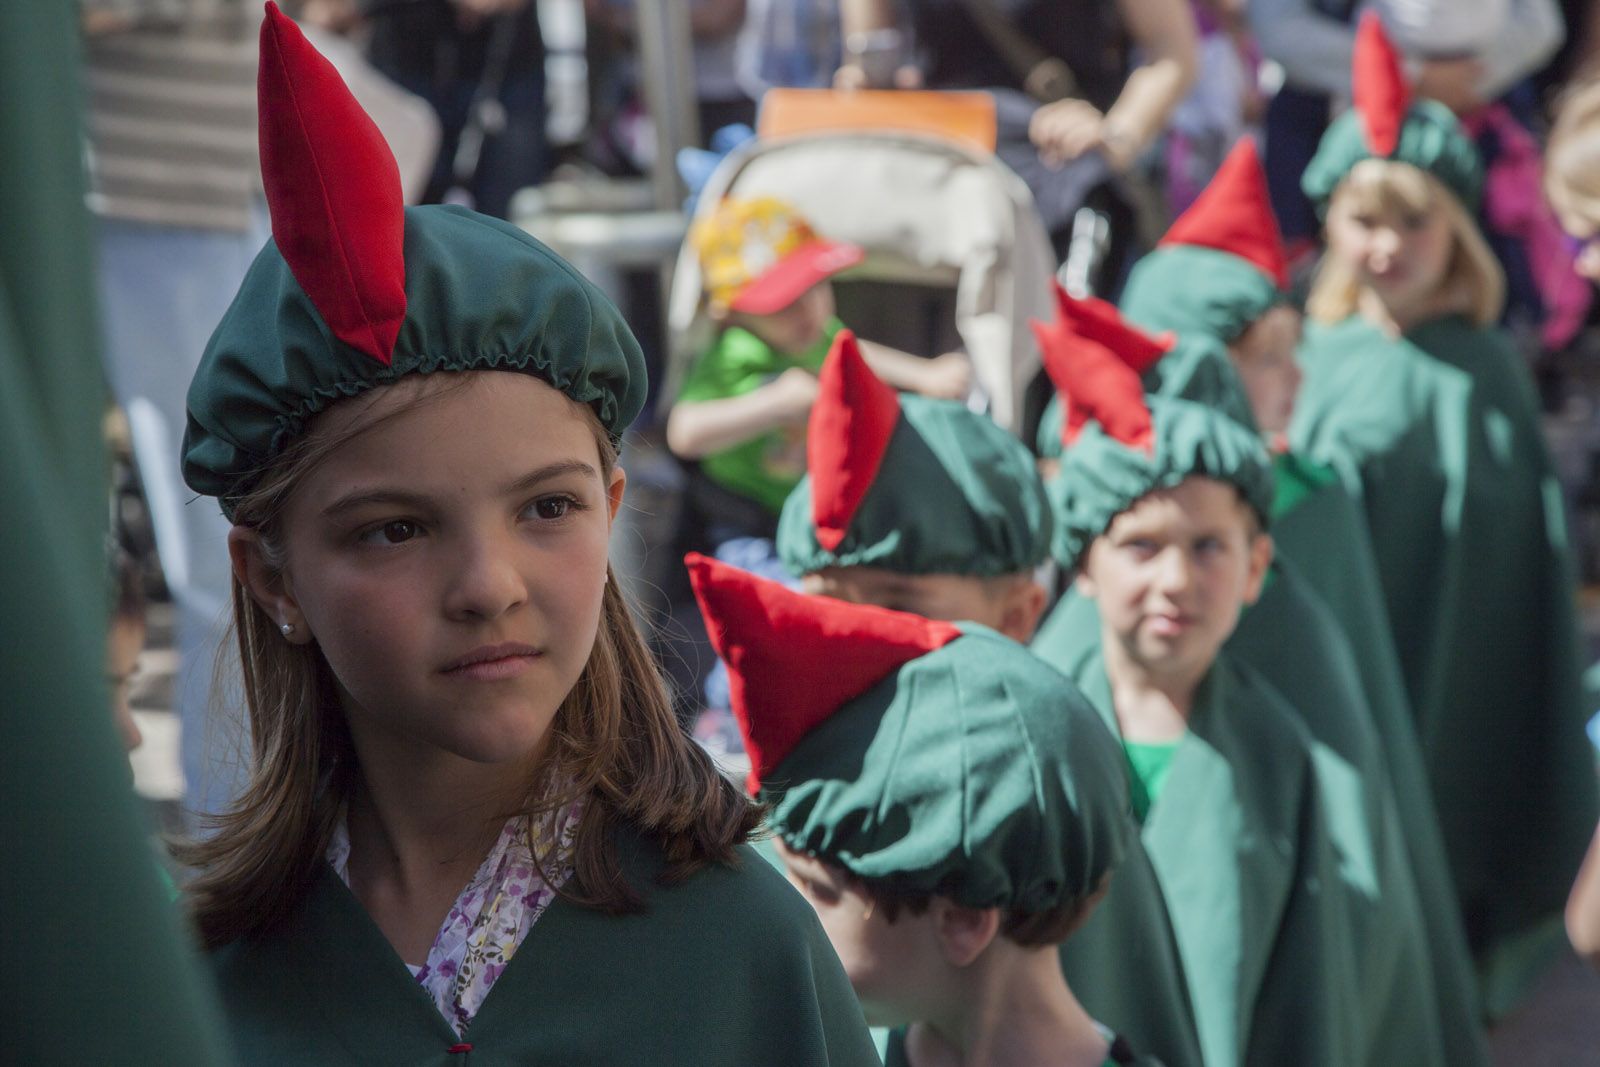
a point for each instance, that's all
(1174, 571)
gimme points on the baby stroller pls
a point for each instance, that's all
(957, 257)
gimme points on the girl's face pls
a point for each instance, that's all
(449, 562)
(1402, 256)
(1584, 235)
(1264, 357)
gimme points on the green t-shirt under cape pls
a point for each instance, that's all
(767, 467)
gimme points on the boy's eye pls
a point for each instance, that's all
(391, 533)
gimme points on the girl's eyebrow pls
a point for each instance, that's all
(411, 499)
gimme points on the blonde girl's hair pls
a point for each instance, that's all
(1572, 158)
(1473, 285)
(614, 741)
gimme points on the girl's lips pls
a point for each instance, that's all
(493, 670)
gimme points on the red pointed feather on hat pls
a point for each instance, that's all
(1096, 381)
(851, 422)
(1234, 214)
(333, 189)
(794, 660)
(1379, 87)
(1100, 320)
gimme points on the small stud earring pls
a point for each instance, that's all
(287, 628)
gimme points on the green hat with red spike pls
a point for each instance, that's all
(1384, 122)
(1121, 445)
(928, 757)
(355, 290)
(1191, 366)
(909, 484)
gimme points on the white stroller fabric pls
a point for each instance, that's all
(926, 211)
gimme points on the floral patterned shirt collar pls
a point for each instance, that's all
(494, 912)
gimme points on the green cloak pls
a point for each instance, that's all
(1437, 434)
(1121, 1055)
(1416, 999)
(729, 967)
(1263, 942)
(99, 968)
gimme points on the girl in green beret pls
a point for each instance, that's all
(473, 826)
(1431, 419)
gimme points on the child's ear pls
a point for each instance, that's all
(1024, 606)
(619, 482)
(1081, 581)
(1261, 551)
(963, 932)
(267, 584)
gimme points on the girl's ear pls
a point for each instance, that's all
(619, 482)
(1261, 552)
(963, 932)
(267, 584)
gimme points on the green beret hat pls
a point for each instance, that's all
(1384, 123)
(356, 291)
(1102, 476)
(909, 484)
(1122, 445)
(923, 756)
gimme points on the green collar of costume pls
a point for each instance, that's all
(1431, 139)
(1100, 478)
(953, 494)
(481, 295)
(975, 772)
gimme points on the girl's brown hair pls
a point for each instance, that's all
(1572, 160)
(1473, 283)
(614, 741)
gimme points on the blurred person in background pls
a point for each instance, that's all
(175, 190)
(1081, 88)
(1572, 183)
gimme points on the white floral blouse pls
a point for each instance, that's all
(492, 915)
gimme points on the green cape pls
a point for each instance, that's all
(1100, 478)
(973, 771)
(1437, 435)
(1417, 999)
(1240, 847)
(481, 295)
(729, 967)
(954, 494)
(1431, 139)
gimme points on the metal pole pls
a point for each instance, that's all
(666, 60)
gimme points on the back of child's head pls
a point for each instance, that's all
(758, 255)
(446, 293)
(924, 759)
(909, 484)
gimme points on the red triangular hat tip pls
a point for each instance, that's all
(1094, 383)
(1234, 214)
(1379, 89)
(1101, 321)
(794, 660)
(851, 422)
(333, 190)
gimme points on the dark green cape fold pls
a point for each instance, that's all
(728, 968)
(1437, 435)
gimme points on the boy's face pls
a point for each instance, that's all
(795, 328)
(1264, 357)
(1010, 604)
(888, 963)
(1172, 573)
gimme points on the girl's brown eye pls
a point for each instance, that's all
(397, 532)
(552, 507)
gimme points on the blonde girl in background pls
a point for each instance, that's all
(1431, 418)
(472, 822)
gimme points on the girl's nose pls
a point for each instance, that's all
(486, 583)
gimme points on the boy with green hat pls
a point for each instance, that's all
(1319, 633)
(1161, 507)
(1416, 398)
(925, 506)
(949, 805)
